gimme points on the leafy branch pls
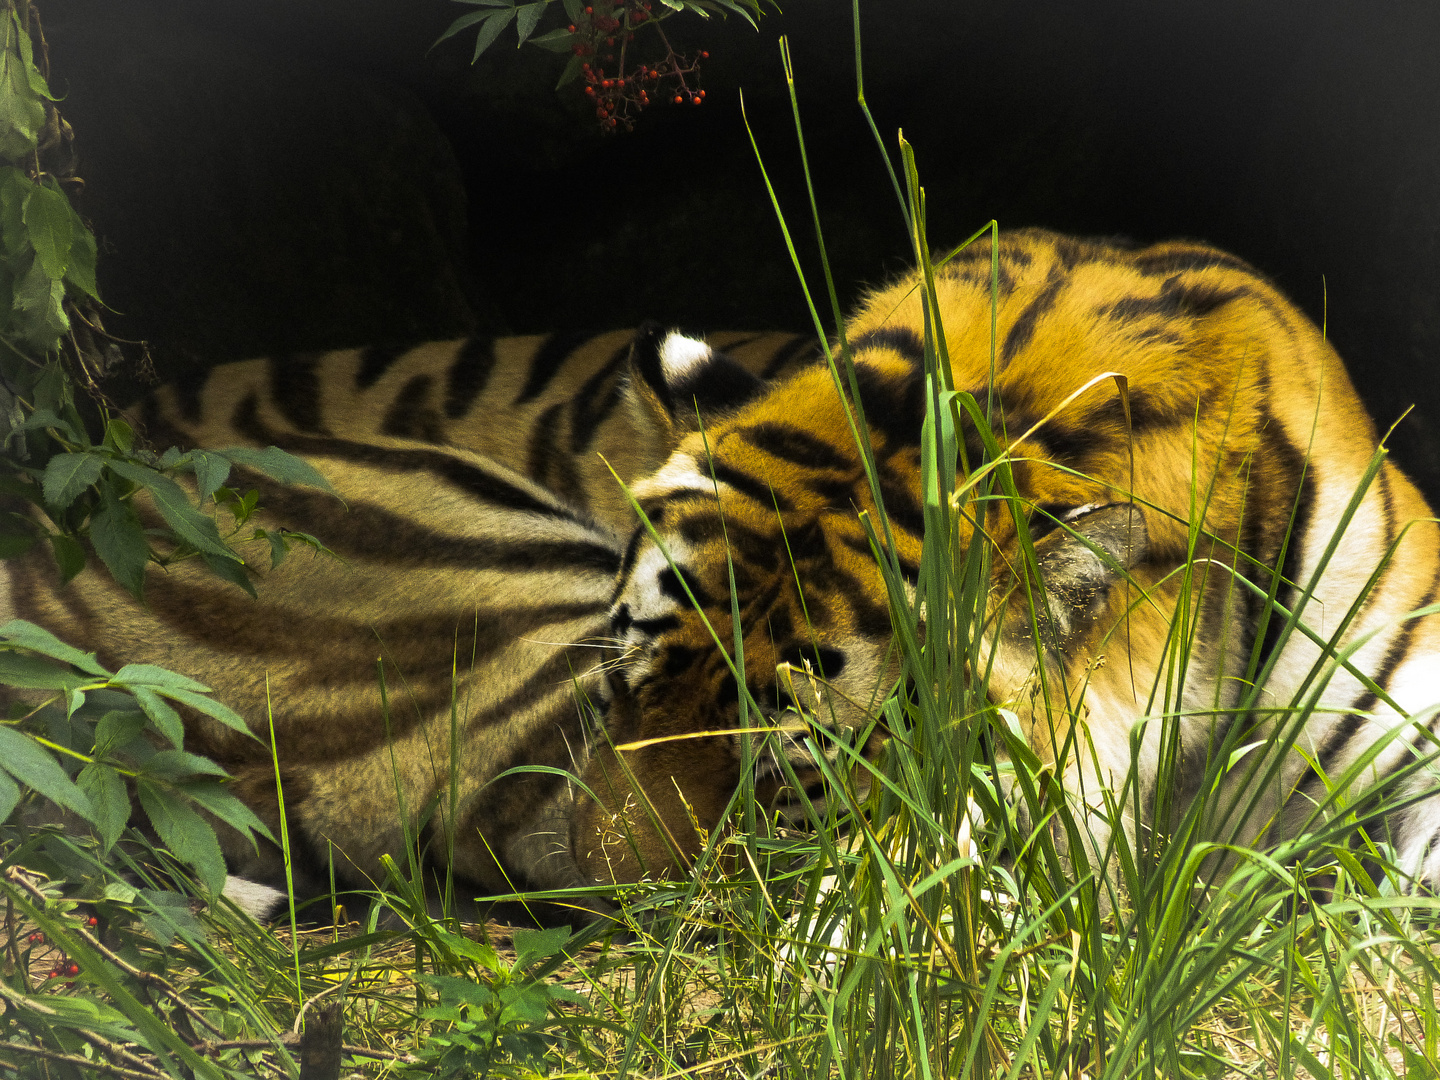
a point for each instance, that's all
(62, 486)
(114, 730)
(599, 32)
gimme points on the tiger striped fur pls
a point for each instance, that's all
(478, 539)
(1240, 418)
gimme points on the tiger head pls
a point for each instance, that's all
(760, 511)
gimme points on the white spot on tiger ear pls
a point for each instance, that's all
(680, 355)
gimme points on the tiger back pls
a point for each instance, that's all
(551, 408)
(1227, 477)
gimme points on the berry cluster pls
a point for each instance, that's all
(609, 25)
(61, 966)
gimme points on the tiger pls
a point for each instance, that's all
(478, 526)
(1225, 498)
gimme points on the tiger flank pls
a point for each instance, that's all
(478, 532)
(1207, 549)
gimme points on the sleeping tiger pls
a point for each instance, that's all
(1235, 460)
(476, 503)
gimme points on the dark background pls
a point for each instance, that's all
(285, 174)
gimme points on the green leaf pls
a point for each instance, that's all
(42, 419)
(51, 224)
(278, 547)
(14, 542)
(10, 484)
(37, 639)
(166, 720)
(119, 436)
(572, 72)
(32, 765)
(22, 111)
(116, 730)
(106, 791)
(69, 554)
(574, 9)
(83, 255)
(9, 796)
(463, 22)
(191, 526)
(14, 188)
(12, 419)
(211, 470)
(39, 315)
(188, 836)
(231, 570)
(118, 538)
(532, 945)
(158, 678)
(52, 389)
(558, 40)
(526, 16)
(731, 5)
(211, 708)
(66, 475)
(278, 465)
(27, 53)
(219, 800)
(490, 30)
(177, 765)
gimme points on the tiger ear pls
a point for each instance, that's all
(673, 377)
(1081, 562)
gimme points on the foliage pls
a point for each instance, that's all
(96, 734)
(604, 32)
(492, 1010)
(80, 488)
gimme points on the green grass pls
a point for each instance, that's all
(924, 930)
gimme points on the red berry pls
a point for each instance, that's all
(619, 82)
(92, 921)
(609, 41)
(606, 84)
(590, 90)
(702, 93)
(589, 11)
(571, 28)
(600, 112)
(679, 100)
(611, 121)
(695, 101)
(73, 969)
(704, 56)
